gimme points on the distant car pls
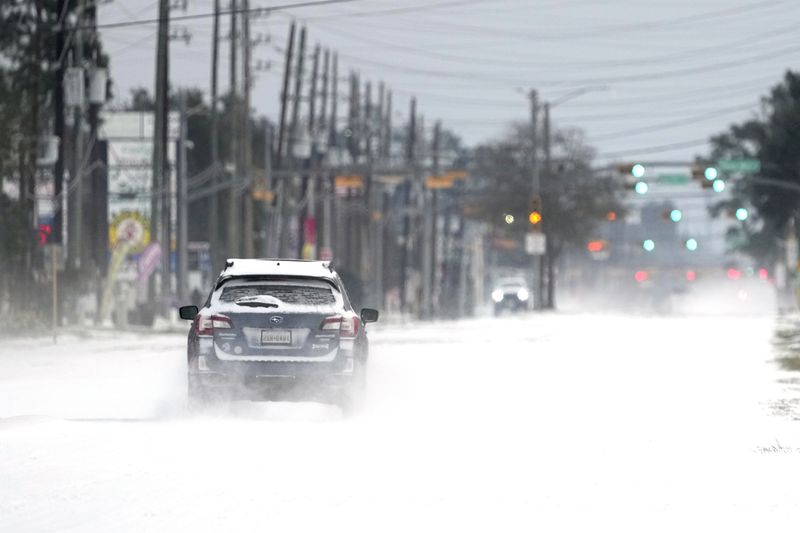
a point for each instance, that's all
(277, 330)
(510, 294)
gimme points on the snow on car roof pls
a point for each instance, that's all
(277, 267)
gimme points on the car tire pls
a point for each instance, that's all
(197, 397)
(351, 398)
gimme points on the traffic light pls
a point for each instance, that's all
(649, 245)
(691, 244)
(535, 214)
(596, 246)
(641, 187)
(43, 234)
(718, 185)
(611, 216)
(636, 170)
(742, 214)
(705, 175)
(675, 215)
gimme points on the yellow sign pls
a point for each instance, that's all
(438, 182)
(456, 174)
(263, 195)
(129, 227)
(353, 181)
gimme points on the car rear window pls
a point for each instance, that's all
(289, 294)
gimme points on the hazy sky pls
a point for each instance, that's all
(665, 72)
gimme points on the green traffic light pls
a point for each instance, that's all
(676, 215)
(649, 245)
(641, 187)
(718, 185)
(742, 214)
(637, 170)
(691, 244)
(711, 173)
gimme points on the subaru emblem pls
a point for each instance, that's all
(276, 319)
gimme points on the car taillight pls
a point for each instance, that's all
(346, 326)
(349, 327)
(221, 322)
(331, 323)
(205, 325)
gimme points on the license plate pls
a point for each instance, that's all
(276, 336)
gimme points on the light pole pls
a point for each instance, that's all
(543, 267)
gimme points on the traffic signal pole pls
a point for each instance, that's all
(535, 196)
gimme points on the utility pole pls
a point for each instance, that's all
(412, 172)
(281, 189)
(535, 196)
(234, 214)
(546, 266)
(290, 184)
(308, 250)
(247, 148)
(159, 200)
(58, 122)
(268, 155)
(182, 206)
(388, 146)
(165, 187)
(213, 215)
(331, 201)
(75, 223)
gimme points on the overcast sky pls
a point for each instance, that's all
(663, 72)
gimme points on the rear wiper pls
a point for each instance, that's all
(257, 304)
(258, 301)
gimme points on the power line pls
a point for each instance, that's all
(255, 10)
(671, 124)
(653, 149)
(432, 53)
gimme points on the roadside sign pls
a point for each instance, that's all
(263, 195)
(673, 179)
(744, 166)
(456, 174)
(54, 256)
(439, 182)
(535, 243)
(353, 181)
(390, 179)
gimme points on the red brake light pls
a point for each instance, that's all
(221, 322)
(204, 325)
(734, 274)
(346, 326)
(349, 327)
(640, 276)
(691, 275)
(331, 323)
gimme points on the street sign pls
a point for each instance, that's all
(456, 174)
(353, 181)
(673, 179)
(535, 243)
(263, 195)
(439, 182)
(743, 166)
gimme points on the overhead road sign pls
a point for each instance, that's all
(743, 166)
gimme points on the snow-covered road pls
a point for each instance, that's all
(554, 423)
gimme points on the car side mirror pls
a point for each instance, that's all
(188, 312)
(369, 315)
